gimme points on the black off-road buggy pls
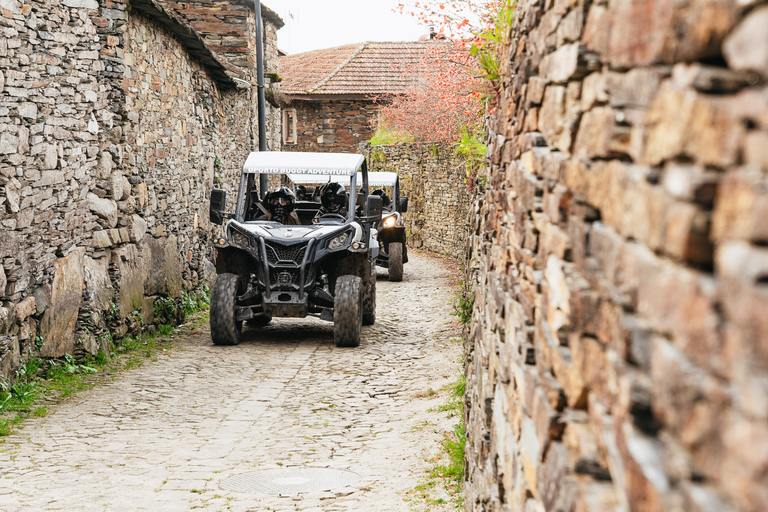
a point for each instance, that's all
(391, 229)
(324, 269)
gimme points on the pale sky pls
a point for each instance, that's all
(316, 24)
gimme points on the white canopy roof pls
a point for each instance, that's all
(279, 162)
(382, 179)
(375, 179)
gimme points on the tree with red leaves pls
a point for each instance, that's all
(459, 75)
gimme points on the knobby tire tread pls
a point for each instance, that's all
(348, 311)
(225, 329)
(396, 261)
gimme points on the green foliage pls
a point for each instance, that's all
(187, 304)
(453, 443)
(28, 370)
(472, 147)
(39, 342)
(217, 161)
(386, 137)
(165, 309)
(63, 369)
(462, 307)
(204, 297)
(113, 315)
(486, 49)
(102, 358)
(164, 330)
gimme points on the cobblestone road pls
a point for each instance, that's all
(164, 436)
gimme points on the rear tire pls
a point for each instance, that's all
(225, 328)
(348, 311)
(395, 261)
(369, 302)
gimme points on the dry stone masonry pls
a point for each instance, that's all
(334, 126)
(619, 345)
(115, 123)
(433, 178)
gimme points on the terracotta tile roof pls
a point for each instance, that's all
(365, 68)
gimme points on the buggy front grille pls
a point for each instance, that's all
(286, 254)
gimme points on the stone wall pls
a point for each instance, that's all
(432, 177)
(111, 136)
(228, 29)
(619, 345)
(336, 126)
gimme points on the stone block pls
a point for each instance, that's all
(58, 323)
(746, 48)
(137, 229)
(741, 206)
(98, 290)
(744, 461)
(601, 136)
(9, 143)
(104, 208)
(594, 90)
(120, 188)
(592, 496)
(129, 262)
(597, 28)
(690, 404)
(530, 453)
(557, 487)
(743, 268)
(703, 498)
(690, 183)
(558, 116)
(683, 303)
(646, 483)
(684, 123)
(756, 149)
(25, 309)
(569, 62)
(636, 88)
(649, 32)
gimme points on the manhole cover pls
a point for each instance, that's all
(290, 481)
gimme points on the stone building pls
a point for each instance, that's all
(619, 345)
(333, 95)
(115, 123)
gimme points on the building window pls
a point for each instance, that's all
(289, 126)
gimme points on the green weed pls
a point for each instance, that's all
(386, 137)
(462, 307)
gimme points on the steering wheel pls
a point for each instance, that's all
(333, 216)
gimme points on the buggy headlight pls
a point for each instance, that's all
(338, 242)
(240, 239)
(390, 221)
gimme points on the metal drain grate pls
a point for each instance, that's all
(290, 481)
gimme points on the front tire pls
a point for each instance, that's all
(369, 302)
(225, 328)
(348, 311)
(395, 261)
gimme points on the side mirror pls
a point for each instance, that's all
(402, 204)
(375, 206)
(218, 204)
